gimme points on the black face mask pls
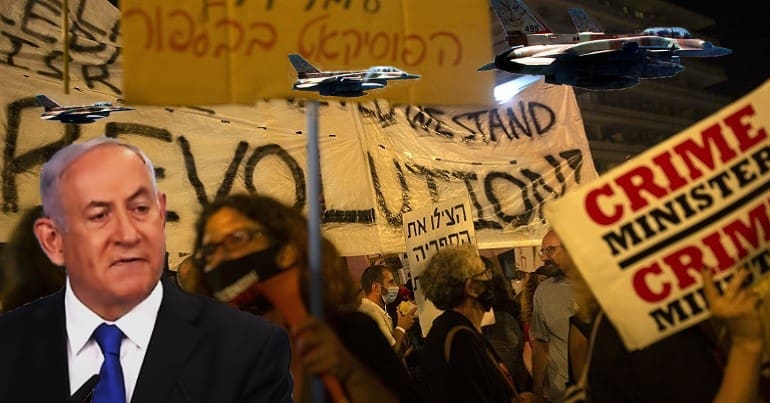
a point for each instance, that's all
(262, 263)
(486, 298)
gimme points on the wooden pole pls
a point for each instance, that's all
(65, 34)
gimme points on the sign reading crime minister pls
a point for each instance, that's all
(236, 51)
(641, 233)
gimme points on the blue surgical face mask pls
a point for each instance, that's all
(389, 294)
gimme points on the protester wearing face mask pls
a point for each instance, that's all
(240, 235)
(380, 289)
(458, 364)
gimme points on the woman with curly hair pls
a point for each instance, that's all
(258, 230)
(458, 364)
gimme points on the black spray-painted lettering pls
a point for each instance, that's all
(296, 171)
(192, 171)
(16, 45)
(14, 165)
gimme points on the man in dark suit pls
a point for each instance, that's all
(105, 224)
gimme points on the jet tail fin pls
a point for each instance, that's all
(582, 22)
(46, 102)
(302, 66)
(518, 20)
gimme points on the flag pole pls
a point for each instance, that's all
(314, 227)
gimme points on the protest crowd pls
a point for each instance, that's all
(217, 331)
(467, 254)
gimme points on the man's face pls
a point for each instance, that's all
(554, 257)
(387, 281)
(113, 243)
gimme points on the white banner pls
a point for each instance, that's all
(641, 233)
(377, 160)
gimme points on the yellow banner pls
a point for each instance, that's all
(236, 51)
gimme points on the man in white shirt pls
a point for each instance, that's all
(380, 289)
(105, 223)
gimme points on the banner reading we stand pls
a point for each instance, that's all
(641, 233)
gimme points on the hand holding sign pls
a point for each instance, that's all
(738, 307)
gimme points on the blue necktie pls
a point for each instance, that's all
(110, 388)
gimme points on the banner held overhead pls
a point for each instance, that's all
(232, 51)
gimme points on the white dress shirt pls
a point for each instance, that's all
(384, 321)
(84, 357)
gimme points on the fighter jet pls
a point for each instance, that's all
(76, 114)
(344, 83)
(590, 58)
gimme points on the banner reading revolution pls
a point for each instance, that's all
(641, 233)
(378, 160)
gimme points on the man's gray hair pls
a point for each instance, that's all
(55, 167)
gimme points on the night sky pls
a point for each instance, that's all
(743, 27)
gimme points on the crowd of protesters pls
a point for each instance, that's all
(489, 344)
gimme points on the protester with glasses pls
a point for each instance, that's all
(553, 306)
(241, 230)
(458, 364)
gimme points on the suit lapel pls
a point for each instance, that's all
(173, 339)
(48, 358)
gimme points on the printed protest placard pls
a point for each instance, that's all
(426, 231)
(641, 233)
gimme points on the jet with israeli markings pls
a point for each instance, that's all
(590, 58)
(344, 83)
(76, 114)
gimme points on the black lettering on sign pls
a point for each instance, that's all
(296, 171)
(49, 61)
(386, 118)
(100, 73)
(16, 44)
(192, 171)
(34, 14)
(480, 223)
(489, 189)
(430, 176)
(428, 120)
(394, 218)
(14, 165)
(526, 119)
(343, 216)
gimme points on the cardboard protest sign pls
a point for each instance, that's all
(426, 231)
(234, 51)
(641, 233)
